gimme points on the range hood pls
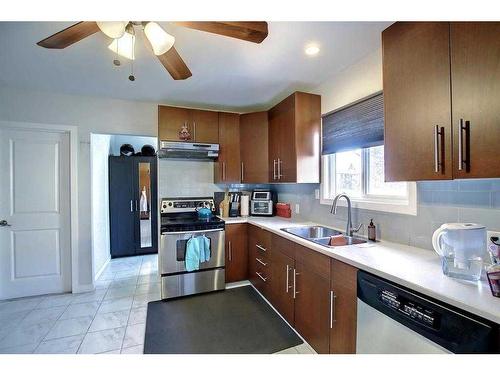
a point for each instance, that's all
(186, 150)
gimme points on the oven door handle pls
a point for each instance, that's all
(192, 232)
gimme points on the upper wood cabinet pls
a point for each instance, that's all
(254, 148)
(417, 112)
(202, 125)
(227, 168)
(294, 139)
(441, 89)
(236, 253)
(475, 77)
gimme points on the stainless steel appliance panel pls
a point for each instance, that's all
(192, 283)
(173, 247)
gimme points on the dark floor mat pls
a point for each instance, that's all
(236, 321)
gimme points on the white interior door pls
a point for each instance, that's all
(35, 250)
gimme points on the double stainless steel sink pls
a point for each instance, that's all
(323, 235)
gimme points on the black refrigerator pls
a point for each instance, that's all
(133, 205)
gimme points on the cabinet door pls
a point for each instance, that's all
(312, 308)
(254, 148)
(344, 308)
(281, 285)
(275, 120)
(475, 76)
(122, 213)
(417, 103)
(170, 122)
(228, 166)
(236, 253)
(205, 126)
(287, 163)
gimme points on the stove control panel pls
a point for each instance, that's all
(408, 308)
(180, 205)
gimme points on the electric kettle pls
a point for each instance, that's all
(461, 247)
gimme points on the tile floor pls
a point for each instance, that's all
(109, 320)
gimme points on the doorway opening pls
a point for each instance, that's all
(124, 198)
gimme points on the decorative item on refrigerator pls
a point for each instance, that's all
(493, 271)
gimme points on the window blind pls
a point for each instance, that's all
(357, 125)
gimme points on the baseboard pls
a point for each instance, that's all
(237, 284)
(98, 273)
(82, 288)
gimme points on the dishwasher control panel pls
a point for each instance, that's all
(410, 309)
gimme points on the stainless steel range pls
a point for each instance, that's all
(179, 223)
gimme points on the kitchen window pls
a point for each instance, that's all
(353, 160)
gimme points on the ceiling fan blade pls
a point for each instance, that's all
(251, 31)
(173, 62)
(70, 35)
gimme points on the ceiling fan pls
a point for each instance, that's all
(162, 43)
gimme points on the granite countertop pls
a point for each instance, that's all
(412, 267)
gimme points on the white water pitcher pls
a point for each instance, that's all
(461, 247)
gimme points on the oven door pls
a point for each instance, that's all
(173, 250)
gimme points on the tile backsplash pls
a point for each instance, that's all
(438, 202)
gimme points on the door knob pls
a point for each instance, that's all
(4, 223)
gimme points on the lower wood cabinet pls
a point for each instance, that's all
(344, 308)
(236, 253)
(314, 293)
(312, 308)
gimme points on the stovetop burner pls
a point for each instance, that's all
(180, 215)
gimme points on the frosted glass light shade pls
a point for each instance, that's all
(124, 46)
(160, 40)
(113, 29)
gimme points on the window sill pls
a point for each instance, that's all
(405, 207)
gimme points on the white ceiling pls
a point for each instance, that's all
(227, 73)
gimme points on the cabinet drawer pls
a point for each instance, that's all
(283, 245)
(261, 238)
(316, 262)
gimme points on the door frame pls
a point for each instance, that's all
(72, 132)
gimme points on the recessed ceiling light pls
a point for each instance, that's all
(312, 50)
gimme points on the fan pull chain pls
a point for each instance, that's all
(131, 77)
(116, 61)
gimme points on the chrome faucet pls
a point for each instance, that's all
(349, 231)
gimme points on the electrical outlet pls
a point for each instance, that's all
(316, 193)
(297, 208)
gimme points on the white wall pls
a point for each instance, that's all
(100, 149)
(90, 115)
(353, 83)
(186, 178)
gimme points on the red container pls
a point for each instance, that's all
(283, 210)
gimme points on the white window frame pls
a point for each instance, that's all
(406, 205)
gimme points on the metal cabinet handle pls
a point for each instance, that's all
(279, 168)
(224, 170)
(230, 251)
(288, 286)
(262, 278)
(136, 205)
(333, 298)
(437, 159)
(242, 172)
(131, 206)
(194, 130)
(260, 247)
(4, 223)
(274, 169)
(295, 274)
(260, 261)
(461, 159)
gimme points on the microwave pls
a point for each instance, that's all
(263, 203)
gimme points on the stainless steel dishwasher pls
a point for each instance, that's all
(393, 319)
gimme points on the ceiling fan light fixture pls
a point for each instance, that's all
(113, 29)
(124, 46)
(160, 40)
